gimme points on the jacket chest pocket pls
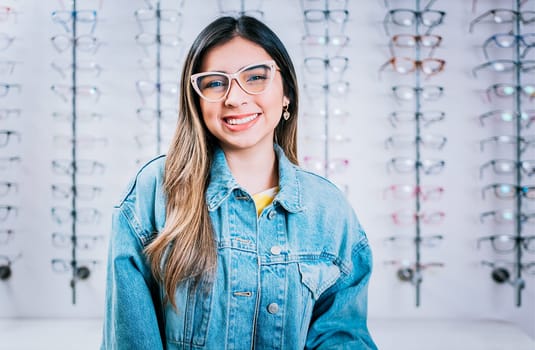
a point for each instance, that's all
(318, 276)
(187, 325)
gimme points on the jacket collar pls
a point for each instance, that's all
(222, 183)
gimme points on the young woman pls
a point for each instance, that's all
(226, 243)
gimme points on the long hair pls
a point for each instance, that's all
(186, 247)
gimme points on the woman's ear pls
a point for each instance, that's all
(285, 101)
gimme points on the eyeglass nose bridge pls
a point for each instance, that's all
(234, 77)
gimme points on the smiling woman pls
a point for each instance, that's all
(227, 242)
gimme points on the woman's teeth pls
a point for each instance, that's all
(242, 120)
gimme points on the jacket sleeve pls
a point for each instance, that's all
(133, 316)
(339, 319)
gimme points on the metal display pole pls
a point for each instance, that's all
(158, 81)
(417, 240)
(518, 282)
(73, 155)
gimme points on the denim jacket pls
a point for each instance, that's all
(295, 277)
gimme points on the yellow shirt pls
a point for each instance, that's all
(264, 198)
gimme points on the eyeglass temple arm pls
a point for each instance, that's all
(429, 4)
(443, 143)
(391, 46)
(479, 67)
(483, 215)
(485, 189)
(383, 67)
(389, 142)
(477, 20)
(385, 22)
(488, 263)
(482, 239)
(482, 169)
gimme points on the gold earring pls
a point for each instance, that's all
(285, 114)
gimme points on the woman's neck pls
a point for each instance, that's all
(254, 171)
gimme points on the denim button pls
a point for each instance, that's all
(276, 250)
(273, 308)
(272, 214)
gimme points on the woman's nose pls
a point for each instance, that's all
(236, 95)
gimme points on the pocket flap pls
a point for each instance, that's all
(318, 276)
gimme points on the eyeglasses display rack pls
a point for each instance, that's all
(423, 20)
(155, 14)
(10, 142)
(324, 86)
(71, 215)
(519, 194)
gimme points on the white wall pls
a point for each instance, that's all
(461, 290)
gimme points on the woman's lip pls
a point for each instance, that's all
(239, 116)
(240, 119)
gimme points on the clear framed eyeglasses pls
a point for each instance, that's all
(499, 16)
(85, 242)
(408, 18)
(86, 43)
(507, 217)
(339, 88)
(335, 41)
(149, 39)
(254, 79)
(334, 165)
(426, 117)
(405, 191)
(508, 90)
(508, 140)
(408, 165)
(408, 217)
(86, 216)
(508, 243)
(428, 241)
(65, 18)
(505, 66)
(509, 191)
(426, 92)
(151, 114)
(506, 116)
(83, 192)
(147, 88)
(336, 64)
(64, 68)
(431, 141)
(82, 167)
(508, 167)
(508, 40)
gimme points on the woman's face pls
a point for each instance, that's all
(242, 121)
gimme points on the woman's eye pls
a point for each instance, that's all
(213, 84)
(257, 77)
